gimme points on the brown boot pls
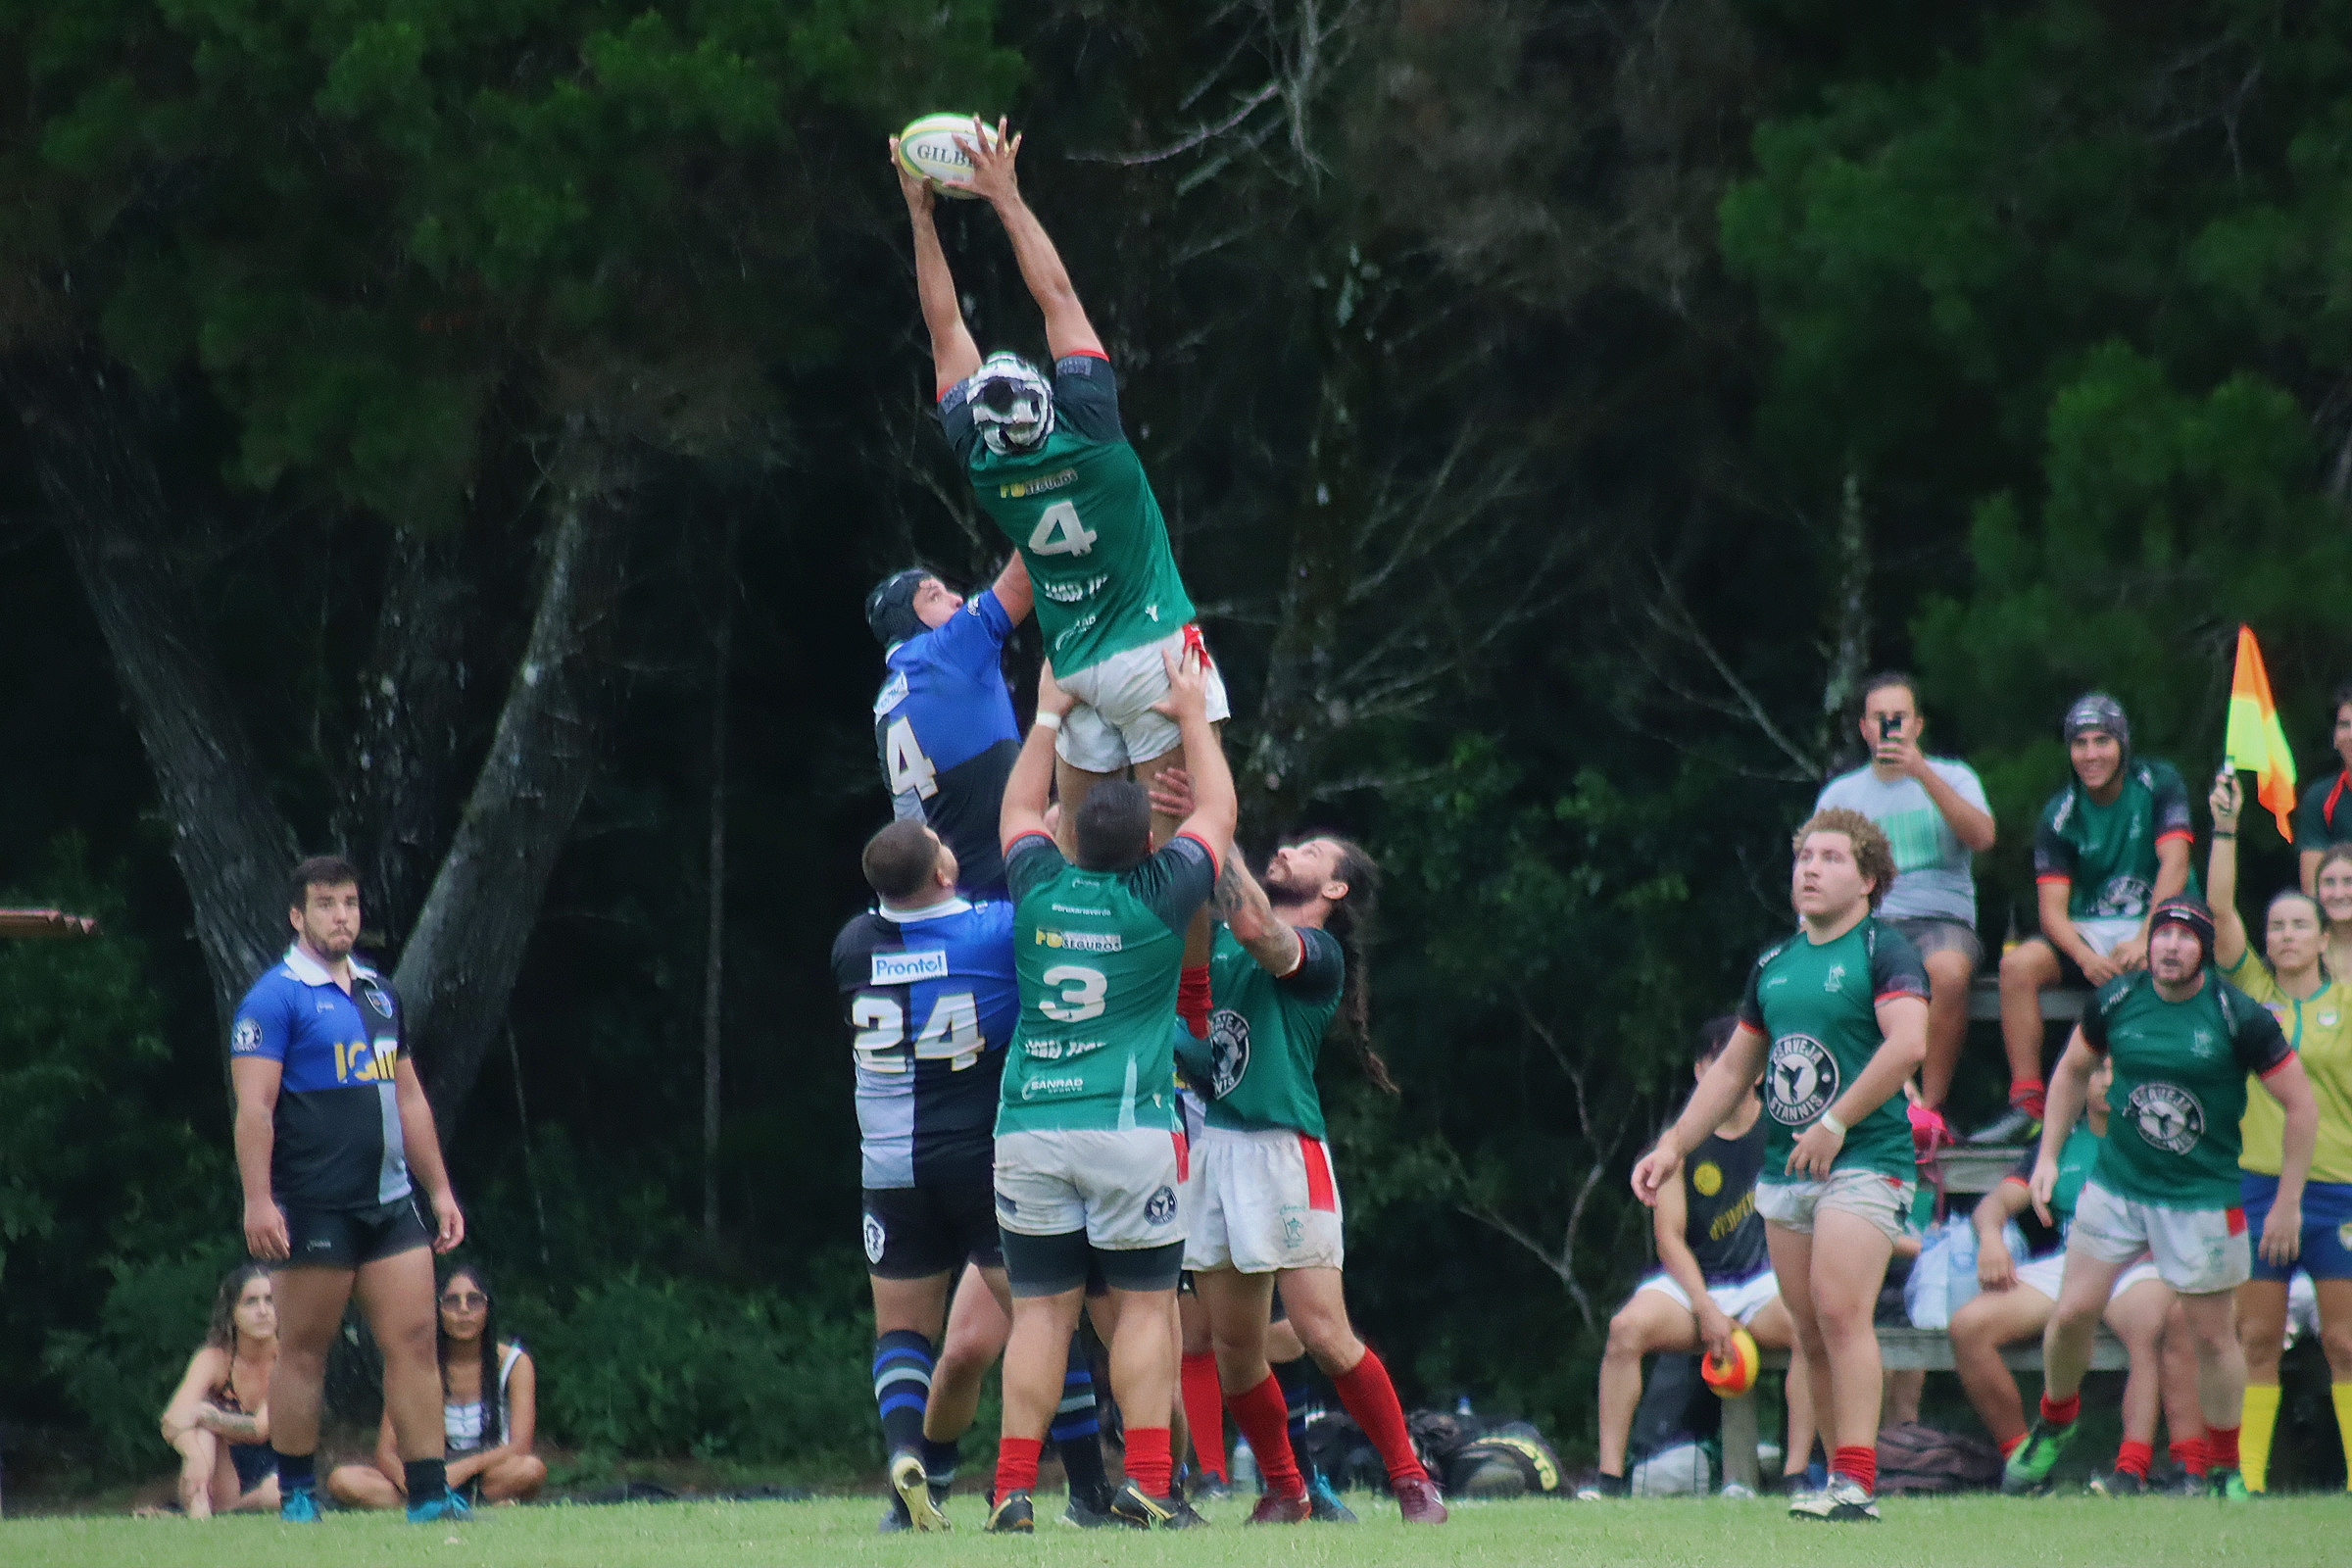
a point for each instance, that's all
(1273, 1509)
(1417, 1499)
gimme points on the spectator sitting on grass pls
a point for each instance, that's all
(2018, 1295)
(490, 1411)
(2112, 845)
(219, 1418)
(2323, 819)
(1933, 813)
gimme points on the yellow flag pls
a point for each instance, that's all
(2255, 741)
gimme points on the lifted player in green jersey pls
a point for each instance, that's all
(1090, 1161)
(1050, 464)
(2182, 1041)
(1834, 1019)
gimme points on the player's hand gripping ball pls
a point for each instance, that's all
(1732, 1375)
(928, 149)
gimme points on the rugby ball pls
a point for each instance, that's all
(1734, 1374)
(927, 150)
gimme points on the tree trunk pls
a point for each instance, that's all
(398, 799)
(89, 425)
(461, 962)
(722, 656)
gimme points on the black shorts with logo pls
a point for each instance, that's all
(339, 1237)
(912, 1232)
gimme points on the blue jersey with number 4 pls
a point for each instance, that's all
(945, 728)
(932, 1002)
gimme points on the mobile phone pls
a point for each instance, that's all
(1889, 725)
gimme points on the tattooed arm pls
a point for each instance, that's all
(1250, 916)
(237, 1426)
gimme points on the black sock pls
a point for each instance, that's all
(295, 1470)
(938, 1463)
(902, 1388)
(1076, 1430)
(1610, 1486)
(428, 1478)
(1290, 1378)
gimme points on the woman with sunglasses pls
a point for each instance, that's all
(219, 1418)
(490, 1410)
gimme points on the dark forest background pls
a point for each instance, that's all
(460, 434)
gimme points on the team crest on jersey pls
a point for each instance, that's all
(875, 1238)
(2121, 896)
(1800, 1080)
(1835, 980)
(1228, 1052)
(372, 996)
(245, 1038)
(2168, 1116)
(1161, 1207)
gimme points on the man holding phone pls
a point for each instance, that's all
(1933, 813)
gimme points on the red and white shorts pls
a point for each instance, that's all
(1262, 1201)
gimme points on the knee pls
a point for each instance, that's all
(1627, 1334)
(1329, 1338)
(1948, 972)
(518, 1476)
(2021, 968)
(412, 1344)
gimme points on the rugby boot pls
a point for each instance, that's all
(299, 1506)
(447, 1508)
(1601, 1486)
(1324, 1504)
(2226, 1484)
(1276, 1509)
(2014, 1126)
(1133, 1507)
(913, 1487)
(1843, 1501)
(2119, 1484)
(895, 1519)
(2029, 1468)
(1418, 1500)
(1090, 1507)
(1015, 1515)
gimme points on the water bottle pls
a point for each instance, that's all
(1462, 1406)
(1245, 1466)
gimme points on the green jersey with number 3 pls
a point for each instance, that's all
(1083, 516)
(1098, 954)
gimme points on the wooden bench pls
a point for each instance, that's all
(1901, 1349)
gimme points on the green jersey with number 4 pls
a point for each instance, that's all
(1098, 954)
(1083, 516)
(1818, 1005)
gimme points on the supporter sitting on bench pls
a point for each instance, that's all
(2016, 1297)
(1713, 1273)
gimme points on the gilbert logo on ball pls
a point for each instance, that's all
(928, 149)
(1732, 1375)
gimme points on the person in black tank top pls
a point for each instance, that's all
(1714, 1274)
(219, 1417)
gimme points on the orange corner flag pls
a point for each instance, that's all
(2255, 741)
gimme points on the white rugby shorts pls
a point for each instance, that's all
(2197, 1251)
(1739, 1299)
(1123, 1189)
(1113, 725)
(1265, 1199)
(1875, 1195)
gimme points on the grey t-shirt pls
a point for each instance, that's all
(1931, 878)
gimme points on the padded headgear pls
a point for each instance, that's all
(2100, 711)
(890, 607)
(1011, 404)
(2182, 909)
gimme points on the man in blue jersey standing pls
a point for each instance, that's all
(330, 1122)
(942, 721)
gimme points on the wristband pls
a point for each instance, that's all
(2218, 834)
(1833, 1124)
(1049, 720)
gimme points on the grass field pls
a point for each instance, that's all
(1973, 1532)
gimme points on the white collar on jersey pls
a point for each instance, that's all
(311, 973)
(929, 912)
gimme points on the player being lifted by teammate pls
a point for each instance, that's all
(1834, 1018)
(1089, 1156)
(1050, 463)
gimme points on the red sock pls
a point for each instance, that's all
(2009, 1445)
(2062, 1412)
(1193, 999)
(1859, 1465)
(1147, 1463)
(1017, 1464)
(1371, 1401)
(1204, 1412)
(1266, 1420)
(2189, 1455)
(2221, 1447)
(2029, 1095)
(2135, 1457)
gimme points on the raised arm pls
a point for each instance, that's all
(1029, 787)
(953, 353)
(1067, 330)
(1216, 806)
(1249, 916)
(2221, 873)
(1014, 591)
(422, 1144)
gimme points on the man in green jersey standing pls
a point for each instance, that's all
(1835, 1020)
(2181, 1039)
(2110, 847)
(1090, 1158)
